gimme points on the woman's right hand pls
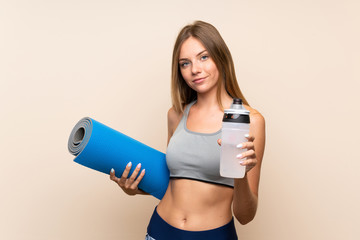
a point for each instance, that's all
(129, 185)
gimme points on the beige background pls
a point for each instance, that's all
(297, 63)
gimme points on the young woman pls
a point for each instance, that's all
(199, 203)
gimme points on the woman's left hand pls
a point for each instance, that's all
(247, 158)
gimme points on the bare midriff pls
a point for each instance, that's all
(196, 206)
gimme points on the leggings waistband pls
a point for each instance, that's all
(159, 229)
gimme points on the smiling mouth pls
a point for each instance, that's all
(199, 80)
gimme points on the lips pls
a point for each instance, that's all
(199, 80)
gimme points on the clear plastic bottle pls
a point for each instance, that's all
(236, 124)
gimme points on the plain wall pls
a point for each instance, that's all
(297, 62)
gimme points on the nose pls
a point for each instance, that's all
(195, 68)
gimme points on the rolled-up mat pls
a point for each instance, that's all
(101, 148)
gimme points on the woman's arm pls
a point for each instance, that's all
(246, 189)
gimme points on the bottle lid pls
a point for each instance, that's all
(237, 107)
(237, 101)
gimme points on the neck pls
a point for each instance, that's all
(209, 99)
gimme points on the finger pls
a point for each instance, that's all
(246, 145)
(125, 173)
(250, 153)
(219, 141)
(248, 162)
(112, 175)
(251, 138)
(138, 179)
(134, 175)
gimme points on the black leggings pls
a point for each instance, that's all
(158, 229)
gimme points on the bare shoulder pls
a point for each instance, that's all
(257, 123)
(257, 120)
(173, 118)
(256, 117)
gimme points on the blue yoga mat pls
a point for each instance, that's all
(101, 148)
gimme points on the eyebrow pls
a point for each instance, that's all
(184, 59)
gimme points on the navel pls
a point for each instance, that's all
(183, 222)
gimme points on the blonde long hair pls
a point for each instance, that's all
(208, 35)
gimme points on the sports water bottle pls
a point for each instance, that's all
(236, 123)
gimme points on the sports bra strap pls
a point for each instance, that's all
(187, 108)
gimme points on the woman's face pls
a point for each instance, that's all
(197, 68)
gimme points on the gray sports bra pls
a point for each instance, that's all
(194, 155)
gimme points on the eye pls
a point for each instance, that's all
(184, 64)
(204, 57)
